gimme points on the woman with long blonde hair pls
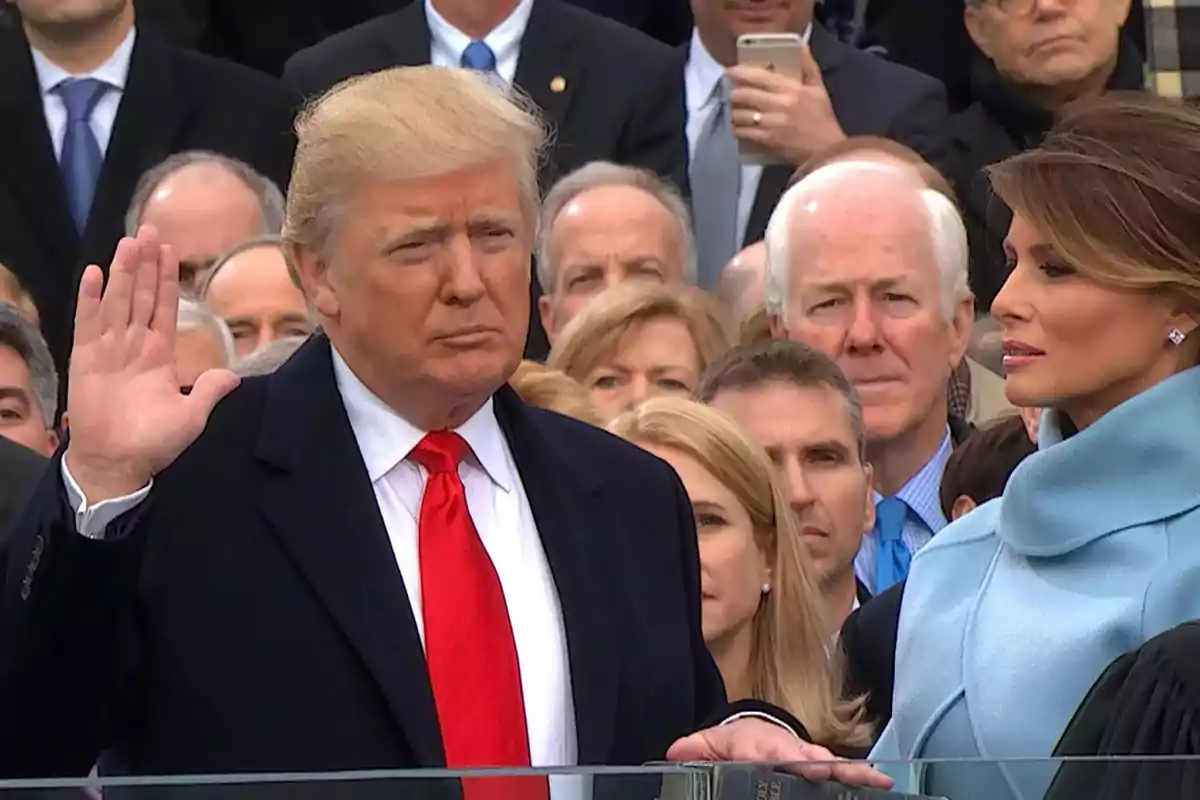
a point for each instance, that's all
(762, 614)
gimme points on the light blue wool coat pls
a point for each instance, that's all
(1012, 612)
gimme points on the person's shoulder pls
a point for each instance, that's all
(612, 40)
(354, 51)
(232, 428)
(603, 453)
(879, 75)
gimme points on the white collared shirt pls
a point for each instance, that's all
(447, 43)
(700, 78)
(501, 513)
(114, 72)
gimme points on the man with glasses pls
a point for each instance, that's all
(1037, 55)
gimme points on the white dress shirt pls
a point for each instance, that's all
(447, 43)
(504, 520)
(113, 72)
(700, 78)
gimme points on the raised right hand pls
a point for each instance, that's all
(128, 418)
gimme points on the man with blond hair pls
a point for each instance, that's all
(408, 567)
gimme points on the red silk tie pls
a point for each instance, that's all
(469, 645)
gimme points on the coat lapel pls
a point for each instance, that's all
(318, 498)
(548, 71)
(562, 495)
(148, 122)
(408, 36)
(31, 170)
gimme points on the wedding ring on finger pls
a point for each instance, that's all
(756, 118)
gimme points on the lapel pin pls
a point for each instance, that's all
(558, 84)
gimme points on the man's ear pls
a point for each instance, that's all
(546, 315)
(963, 505)
(310, 271)
(960, 331)
(776, 326)
(979, 28)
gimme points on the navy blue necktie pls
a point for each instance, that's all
(891, 563)
(81, 156)
(479, 56)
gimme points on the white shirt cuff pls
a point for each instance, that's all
(763, 716)
(92, 522)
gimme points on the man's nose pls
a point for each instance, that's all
(799, 492)
(863, 332)
(463, 281)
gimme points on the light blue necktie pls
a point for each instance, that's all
(715, 176)
(479, 56)
(81, 156)
(891, 564)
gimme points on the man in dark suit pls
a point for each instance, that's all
(842, 92)
(69, 159)
(20, 469)
(610, 93)
(378, 556)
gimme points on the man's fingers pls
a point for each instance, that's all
(145, 286)
(861, 775)
(210, 388)
(166, 305)
(689, 748)
(748, 99)
(810, 70)
(748, 76)
(115, 302)
(88, 322)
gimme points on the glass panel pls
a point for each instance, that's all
(1072, 779)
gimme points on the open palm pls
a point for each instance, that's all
(128, 417)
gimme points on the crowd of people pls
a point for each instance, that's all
(450, 390)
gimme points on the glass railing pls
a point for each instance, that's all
(1018, 779)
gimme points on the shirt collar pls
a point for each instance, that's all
(702, 73)
(385, 438)
(921, 494)
(504, 39)
(114, 72)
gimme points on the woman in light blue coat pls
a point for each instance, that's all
(1010, 614)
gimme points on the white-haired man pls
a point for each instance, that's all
(408, 567)
(603, 224)
(868, 264)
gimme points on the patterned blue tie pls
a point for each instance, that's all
(81, 156)
(891, 564)
(479, 56)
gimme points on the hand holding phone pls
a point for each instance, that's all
(781, 110)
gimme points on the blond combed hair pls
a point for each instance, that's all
(598, 331)
(555, 391)
(403, 124)
(792, 664)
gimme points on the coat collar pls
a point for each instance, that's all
(1077, 489)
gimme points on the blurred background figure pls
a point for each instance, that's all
(252, 290)
(28, 384)
(762, 615)
(979, 468)
(604, 224)
(204, 204)
(203, 342)
(741, 284)
(1037, 55)
(638, 340)
(554, 391)
(13, 293)
(844, 92)
(869, 266)
(796, 404)
(269, 358)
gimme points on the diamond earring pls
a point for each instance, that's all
(1176, 336)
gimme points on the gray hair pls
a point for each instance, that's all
(25, 338)
(267, 359)
(595, 175)
(946, 230)
(270, 198)
(194, 314)
(253, 243)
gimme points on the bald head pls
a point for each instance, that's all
(856, 214)
(741, 283)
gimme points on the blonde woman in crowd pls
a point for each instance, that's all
(552, 390)
(640, 339)
(762, 613)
